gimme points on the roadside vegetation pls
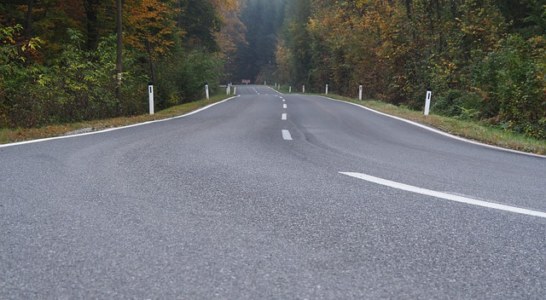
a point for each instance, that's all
(473, 130)
(58, 59)
(10, 135)
(484, 61)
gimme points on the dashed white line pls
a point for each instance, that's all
(283, 117)
(286, 135)
(445, 196)
(284, 106)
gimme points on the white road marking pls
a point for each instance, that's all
(283, 117)
(286, 135)
(114, 129)
(445, 196)
(283, 100)
(439, 131)
(284, 106)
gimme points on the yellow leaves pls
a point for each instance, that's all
(233, 30)
(151, 25)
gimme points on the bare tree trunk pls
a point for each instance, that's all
(119, 56)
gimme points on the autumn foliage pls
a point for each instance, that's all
(483, 60)
(58, 57)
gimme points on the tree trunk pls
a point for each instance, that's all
(91, 7)
(119, 53)
(151, 61)
(440, 22)
(28, 19)
(409, 5)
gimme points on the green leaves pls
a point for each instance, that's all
(483, 59)
(512, 79)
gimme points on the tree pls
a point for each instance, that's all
(151, 28)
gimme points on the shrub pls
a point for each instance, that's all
(460, 104)
(512, 81)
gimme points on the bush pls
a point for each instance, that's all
(182, 77)
(78, 85)
(512, 80)
(460, 104)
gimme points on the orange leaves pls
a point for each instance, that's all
(233, 30)
(151, 25)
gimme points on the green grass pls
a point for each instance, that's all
(24, 134)
(468, 129)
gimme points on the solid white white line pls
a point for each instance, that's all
(274, 90)
(286, 135)
(284, 106)
(283, 117)
(445, 196)
(439, 131)
(114, 129)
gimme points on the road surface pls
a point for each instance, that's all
(271, 196)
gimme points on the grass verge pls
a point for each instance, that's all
(25, 134)
(467, 129)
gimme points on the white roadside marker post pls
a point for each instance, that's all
(360, 89)
(303, 89)
(326, 89)
(427, 102)
(290, 90)
(207, 94)
(151, 98)
(234, 90)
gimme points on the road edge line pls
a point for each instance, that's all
(437, 131)
(115, 128)
(445, 196)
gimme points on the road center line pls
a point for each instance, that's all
(445, 196)
(286, 135)
(283, 117)
(284, 106)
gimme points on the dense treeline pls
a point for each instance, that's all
(58, 57)
(483, 59)
(255, 59)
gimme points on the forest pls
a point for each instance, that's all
(58, 58)
(483, 60)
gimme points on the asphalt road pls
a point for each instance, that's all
(235, 202)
